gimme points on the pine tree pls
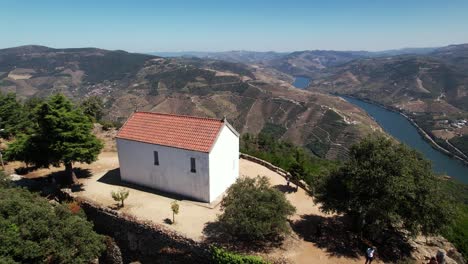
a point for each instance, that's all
(62, 136)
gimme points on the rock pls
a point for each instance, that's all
(15, 177)
(425, 248)
(112, 255)
(456, 256)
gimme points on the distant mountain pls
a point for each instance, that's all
(252, 98)
(404, 51)
(440, 74)
(310, 63)
(303, 63)
(231, 56)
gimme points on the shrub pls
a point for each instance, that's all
(120, 196)
(221, 256)
(74, 208)
(34, 231)
(175, 210)
(254, 211)
(107, 125)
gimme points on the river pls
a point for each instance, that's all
(301, 82)
(402, 129)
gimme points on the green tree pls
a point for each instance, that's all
(62, 135)
(386, 185)
(120, 196)
(254, 211)
(13, 118)
(34, 231)
(93, 107)
(175, 210)
(298, 161)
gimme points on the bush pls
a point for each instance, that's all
(254, 211)
(384, 186)
(120, 196)
(287, 156)
(107, 125)
(221, 256)
(34, 231)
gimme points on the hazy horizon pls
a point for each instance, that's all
(214, 26)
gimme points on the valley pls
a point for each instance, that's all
(253, 98)
(430, 88)
(255, 90)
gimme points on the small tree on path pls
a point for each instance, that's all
(120, 196)
(175, 210)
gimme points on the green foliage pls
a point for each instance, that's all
(13, 117)
(254, 211)
(93, 107)
(120, 196)
(107, 125)
(461, 143)
(34, 231)
(175, 210)
(4, 181)
(285, 155)
(62, 134)
(457, 232)
(273, 130)
(386, 185)
(221, 256)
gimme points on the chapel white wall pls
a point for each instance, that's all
(173, 173)
(223, 162)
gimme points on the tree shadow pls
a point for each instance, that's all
(334, 234)
(284, 188)
(329, 233)
(82, 173)
(25, 170)
(112, 177)
(116, 206)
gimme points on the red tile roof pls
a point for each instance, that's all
(185, 132)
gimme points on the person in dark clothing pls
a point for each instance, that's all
(370, 255)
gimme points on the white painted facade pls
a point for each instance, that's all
(223, 162)
(215, 171)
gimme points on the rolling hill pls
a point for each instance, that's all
(251, 97)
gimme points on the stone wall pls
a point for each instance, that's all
(143, 240)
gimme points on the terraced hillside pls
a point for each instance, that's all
(250, 97)
(431, 88)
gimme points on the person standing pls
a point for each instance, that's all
(440, 256)
(370, 255)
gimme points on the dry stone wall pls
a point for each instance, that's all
(141, 239)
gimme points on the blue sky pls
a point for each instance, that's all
(197, 25)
